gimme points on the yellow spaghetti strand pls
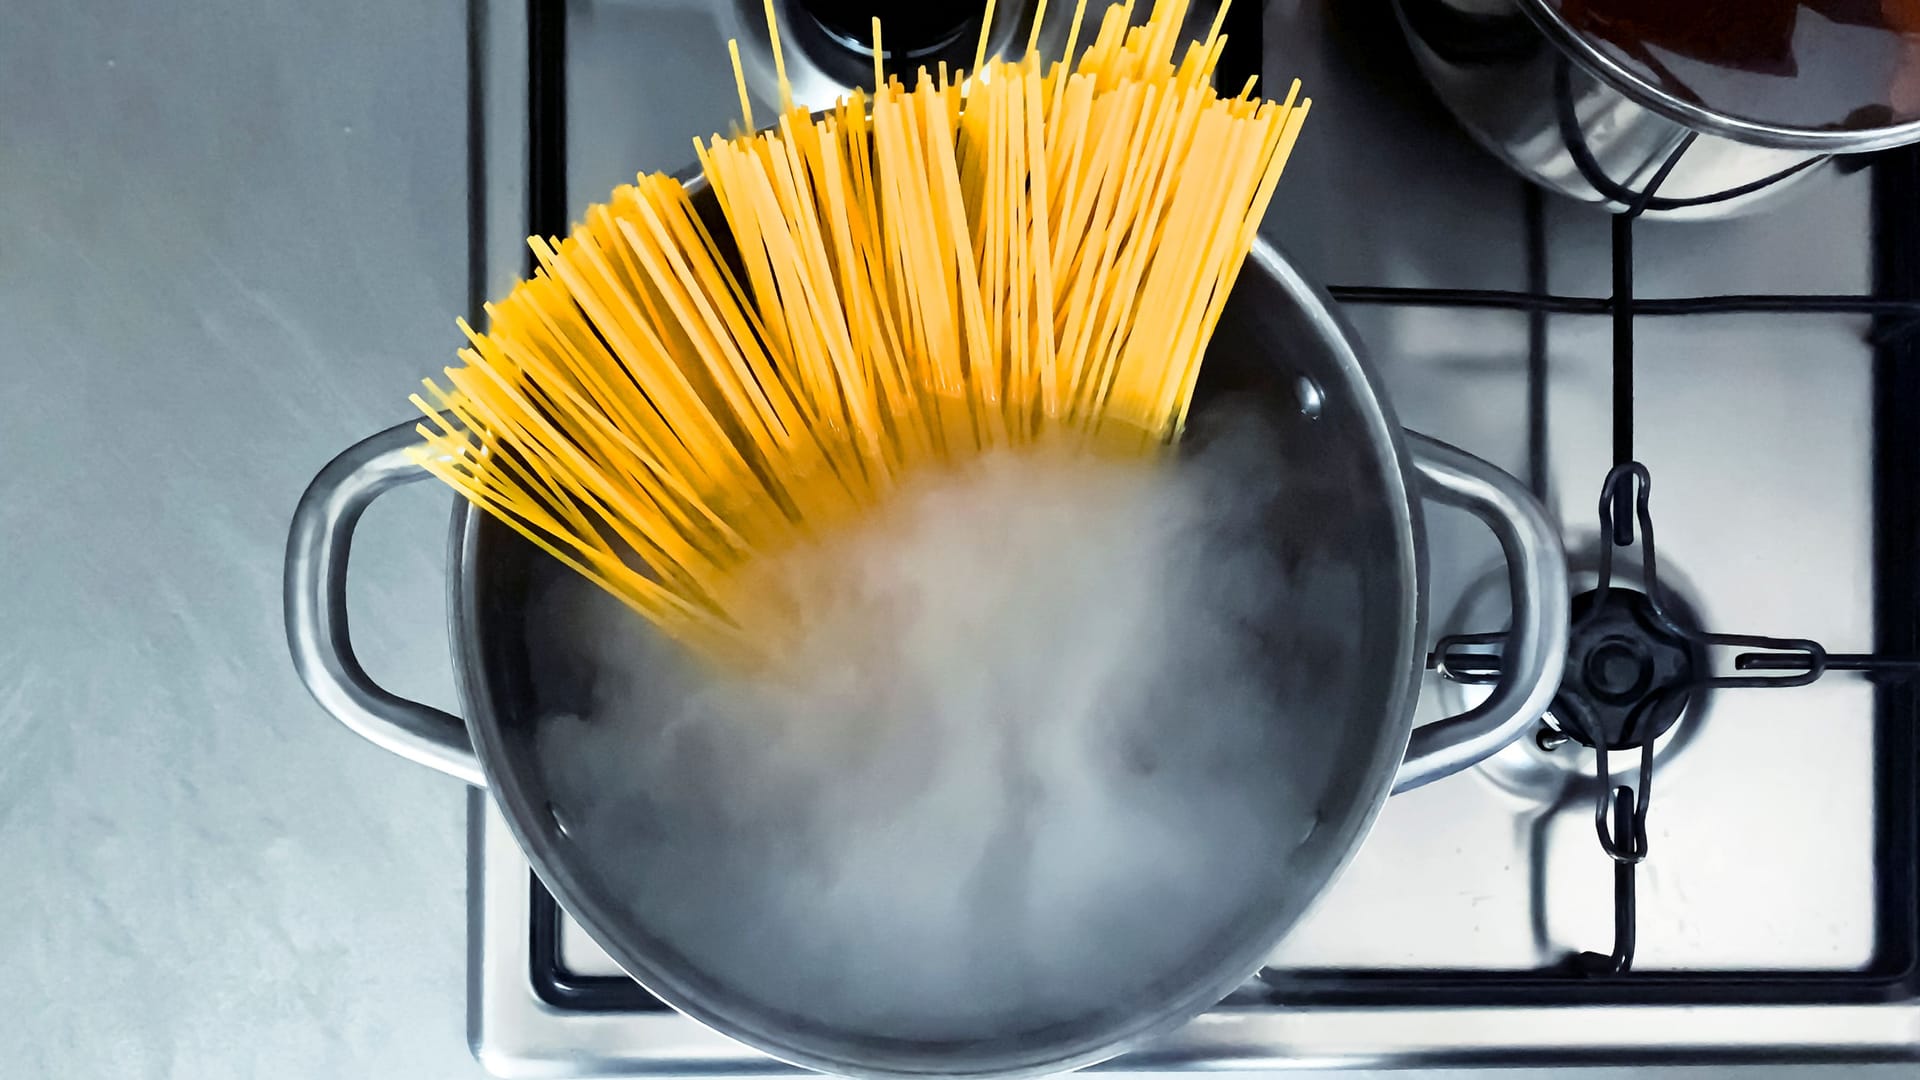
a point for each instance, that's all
(986, 32)
(740, 83)
(779, 57)
(1033, 35)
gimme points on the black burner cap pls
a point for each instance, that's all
(1627, 672)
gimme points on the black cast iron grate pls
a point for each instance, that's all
(1894, 973)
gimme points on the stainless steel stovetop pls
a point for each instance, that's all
(1778, 906)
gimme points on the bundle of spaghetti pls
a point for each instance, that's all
(1032, 253)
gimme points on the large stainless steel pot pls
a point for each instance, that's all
(1568, 115)
(1357, 481)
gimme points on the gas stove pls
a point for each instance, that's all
(1760, 901)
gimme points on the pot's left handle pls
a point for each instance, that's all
(1536, 649)
(316, 608)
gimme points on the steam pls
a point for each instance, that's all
(1026, 762)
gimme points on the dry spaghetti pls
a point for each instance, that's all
(905, 280)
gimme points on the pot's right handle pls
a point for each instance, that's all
(316, 608)
(1536, 648)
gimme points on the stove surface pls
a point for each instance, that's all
(1777, 904)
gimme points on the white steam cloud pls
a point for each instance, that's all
(1027, 763)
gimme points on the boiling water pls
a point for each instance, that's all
(1039, 753)
(1800, 63)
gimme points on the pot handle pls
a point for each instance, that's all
(1536, 648)
(316, 608)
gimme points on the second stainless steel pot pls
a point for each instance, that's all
(1348, 660)
(1564, 113)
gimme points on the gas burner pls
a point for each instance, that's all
(1635, 662)
(1556, 762)
(1636, 655)
(913, 32)
(1629, 670)
(827, 45)
(1636, 659)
